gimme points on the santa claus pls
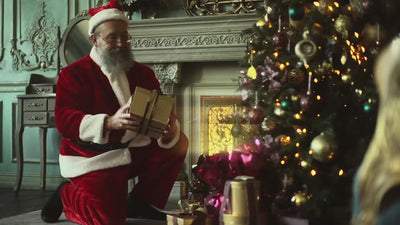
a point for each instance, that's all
(102, 147)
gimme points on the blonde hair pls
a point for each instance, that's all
(380, 169)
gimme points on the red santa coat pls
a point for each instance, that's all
(86, 94)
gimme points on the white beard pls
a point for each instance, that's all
(116, 60)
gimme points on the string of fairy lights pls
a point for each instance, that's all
(356, 51)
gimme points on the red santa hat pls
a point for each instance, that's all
(112, 11)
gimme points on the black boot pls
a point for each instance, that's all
(53, 208)
(140, 209)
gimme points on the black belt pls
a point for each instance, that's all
(101, 147)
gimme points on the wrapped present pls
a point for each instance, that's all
(155, 109)
(293, 221)
(241, 203)
(180, 219)
(196, 218)
(193, 213)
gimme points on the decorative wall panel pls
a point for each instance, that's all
(35, 41)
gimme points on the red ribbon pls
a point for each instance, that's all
(110, 5)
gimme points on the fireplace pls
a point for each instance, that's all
(196, 60)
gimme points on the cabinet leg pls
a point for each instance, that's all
(19, 157)
(43, 156)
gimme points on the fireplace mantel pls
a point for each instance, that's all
(190, 39)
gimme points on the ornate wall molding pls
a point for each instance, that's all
(17, 87)
(190, 39)
(220, 7)
(43, 38)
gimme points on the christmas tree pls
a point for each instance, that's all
(309, 103)
(309, 87)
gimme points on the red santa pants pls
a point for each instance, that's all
(99, 197)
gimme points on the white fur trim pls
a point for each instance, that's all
(174, 140)
(139, 141)
(106, 15)
(91, 129)
(128, 135)
(119, 82)
(73, 166)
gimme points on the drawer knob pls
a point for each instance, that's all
(35, 104)
(36, 118)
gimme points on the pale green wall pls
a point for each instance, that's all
(17, 18)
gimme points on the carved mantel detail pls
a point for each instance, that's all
(168, 74)
(220, 7)
(192, 40)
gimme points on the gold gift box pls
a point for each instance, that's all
(179, 219)
(155, 109)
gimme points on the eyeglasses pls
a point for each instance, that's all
(114, 39)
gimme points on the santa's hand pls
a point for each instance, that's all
(171, 130)
(123, 120)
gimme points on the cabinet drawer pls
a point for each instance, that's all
(35, 104)
(41, 89)
(35, 118)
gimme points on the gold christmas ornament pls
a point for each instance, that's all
(251, 72)
(305, 49)
(264, 124)
(324, 6)
(324, 68)
(268, 126)
(297, 24)
(299, 199)
(295, 97)
(323, 147)
(279, 111)
(343, 59)
(304, 164)
(296, 77)
(346, 78)
(260, 22)
(317, 30)
(343, 25)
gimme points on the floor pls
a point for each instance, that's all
(25, 201)
(33, 200)
(29, 203)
